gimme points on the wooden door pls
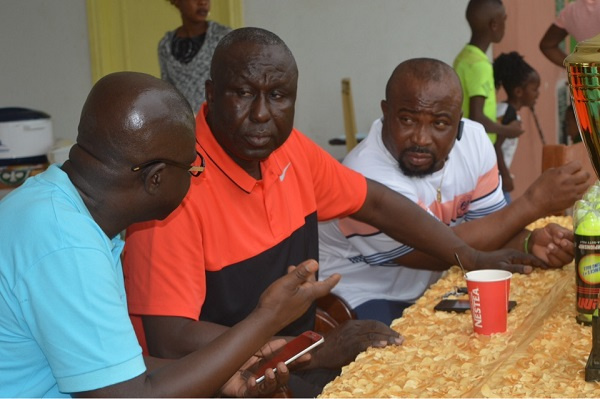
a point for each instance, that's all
(124, 34)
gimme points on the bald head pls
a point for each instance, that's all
(424, 70)
(126, 113)
(243, 36)
(133, 129)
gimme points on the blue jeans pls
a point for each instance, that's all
(380, 309)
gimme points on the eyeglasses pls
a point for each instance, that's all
(194, 170)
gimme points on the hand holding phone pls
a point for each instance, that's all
(291, 351)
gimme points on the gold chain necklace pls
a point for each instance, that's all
(439, 189)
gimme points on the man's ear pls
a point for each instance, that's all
(384, 108)
(153, 176)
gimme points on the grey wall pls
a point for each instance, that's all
(362, 40)
(44, 59)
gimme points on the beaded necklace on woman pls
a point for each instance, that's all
(184, 48)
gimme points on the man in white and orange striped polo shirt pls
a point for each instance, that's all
(424, 149)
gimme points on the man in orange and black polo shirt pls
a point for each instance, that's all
(254, 212)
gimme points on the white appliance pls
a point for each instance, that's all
(24, 134)
(25, 139)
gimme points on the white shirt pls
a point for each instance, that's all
(509, 146)
(470, 186)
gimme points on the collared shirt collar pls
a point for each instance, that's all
(216, 155)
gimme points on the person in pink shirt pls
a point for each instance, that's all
(580, 19)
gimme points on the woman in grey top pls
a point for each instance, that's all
(184, 54)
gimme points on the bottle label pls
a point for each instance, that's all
(587, 276)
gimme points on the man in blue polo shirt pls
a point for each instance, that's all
(65, 328)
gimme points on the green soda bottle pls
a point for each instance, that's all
(586, 221)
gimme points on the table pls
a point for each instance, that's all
(542, 354)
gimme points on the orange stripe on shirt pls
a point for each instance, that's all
(487, 183)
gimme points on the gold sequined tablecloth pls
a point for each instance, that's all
(542, 354)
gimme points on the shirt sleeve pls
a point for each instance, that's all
(478, 81)
(564, 19)
(339, 190)
(580, 19)
(487, 196)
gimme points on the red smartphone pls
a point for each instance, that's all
(291, 351)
